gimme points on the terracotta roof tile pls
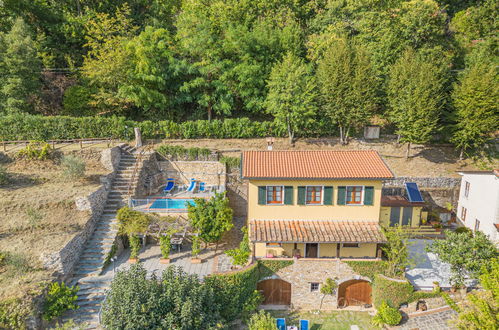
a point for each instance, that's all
(315, 231)
(329, 164)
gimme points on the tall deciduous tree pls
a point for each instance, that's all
(348, 86)
(20, 68)
(475, 98)
(415, 97)
(211, 218)
(292, 97)
(467, 254)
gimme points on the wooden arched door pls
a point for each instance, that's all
(275, 292)
(354, 293)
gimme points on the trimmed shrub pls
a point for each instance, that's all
(460, 230)
(232, 163)
(368, 268)
(262, 321)
(73, 167)
(393, 292)
(60, 298)
(35, 150)
(387, 315)
(180, 152)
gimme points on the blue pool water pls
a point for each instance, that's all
(171, 203)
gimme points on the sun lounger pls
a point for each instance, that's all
(192, 185)
(304, 325)
(170, 184)
(281, 324)
(202, 187)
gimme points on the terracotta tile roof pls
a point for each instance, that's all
(398, 201)
(324, 164)
(315, 231)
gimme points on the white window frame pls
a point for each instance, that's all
(318, 287)
(467, 188)
(361, 195)
(282, 197)
(322, 195)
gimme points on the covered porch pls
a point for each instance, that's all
(316, 239)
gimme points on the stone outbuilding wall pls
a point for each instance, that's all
(304, 272)
(210, 172)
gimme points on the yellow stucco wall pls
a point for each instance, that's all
(364, 250)
(325, 250)
(313, 212)
(384, 218)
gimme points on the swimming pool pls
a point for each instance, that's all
(171, 203)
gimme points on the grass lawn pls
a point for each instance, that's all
(327, 320)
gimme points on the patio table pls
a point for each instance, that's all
(177, 242)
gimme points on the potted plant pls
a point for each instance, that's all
(196, 249)
(165, 245)
(134, 248)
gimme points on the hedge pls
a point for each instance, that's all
(368, 268)
(235, 289)
(42, 128)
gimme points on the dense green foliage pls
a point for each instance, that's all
(179, 152)
(13, 313)
(396, 251)
(394, 292)
(59, 299)
(177, 301)
(368, 268)
(262, 321)
(240, 256)
(132, 223)
(387, 315)
(180, 301)
(185, 60)
(211, 218)
(467, 255)
(35, 150)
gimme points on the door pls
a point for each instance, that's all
(406, 216)
(275, 292)
(311, 250)
(354, 293)
(394, 216)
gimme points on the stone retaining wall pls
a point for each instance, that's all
(63, 261)
(437, 192)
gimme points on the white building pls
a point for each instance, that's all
(478, 207)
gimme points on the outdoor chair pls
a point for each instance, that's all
(304, 325)
(202, 187)
(192, 186)
(281, 324)
(170, 184)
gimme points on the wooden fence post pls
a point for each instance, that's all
(138, 137)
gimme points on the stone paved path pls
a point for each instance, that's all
(430, 321)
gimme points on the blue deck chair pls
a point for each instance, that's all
(170, 184)
(281, 324)
(192, 185)
(202, 187)
(304, 325)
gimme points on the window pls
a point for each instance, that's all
(350, 245)
(466, 189)
(477, 224)
(314, 287)
(354, 195)
(314, 194)
(463, 214)
(274, 194)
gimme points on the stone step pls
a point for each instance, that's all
(90, 267)
(90, 262)
(97, 297)
(87, 272)
(93, 286)
(92, 257)
(101, 241)
(97, 250)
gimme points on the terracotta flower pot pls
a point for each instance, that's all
(196, 260)
(164, 260)
(133, 260)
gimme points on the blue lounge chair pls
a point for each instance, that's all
(170, 184)
(192, 185)
(281, 324)
(304, 325)
(202, 187)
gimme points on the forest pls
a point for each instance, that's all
(425, 70)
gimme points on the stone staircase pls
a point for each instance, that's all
(89, 267)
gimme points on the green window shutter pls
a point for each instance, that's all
(288, 195)
(342, 191)
(301, 195)
(262, 195)
(368, 195)
(328, 195)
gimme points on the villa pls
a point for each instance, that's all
(315, 204)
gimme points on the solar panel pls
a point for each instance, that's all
(413, 192)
